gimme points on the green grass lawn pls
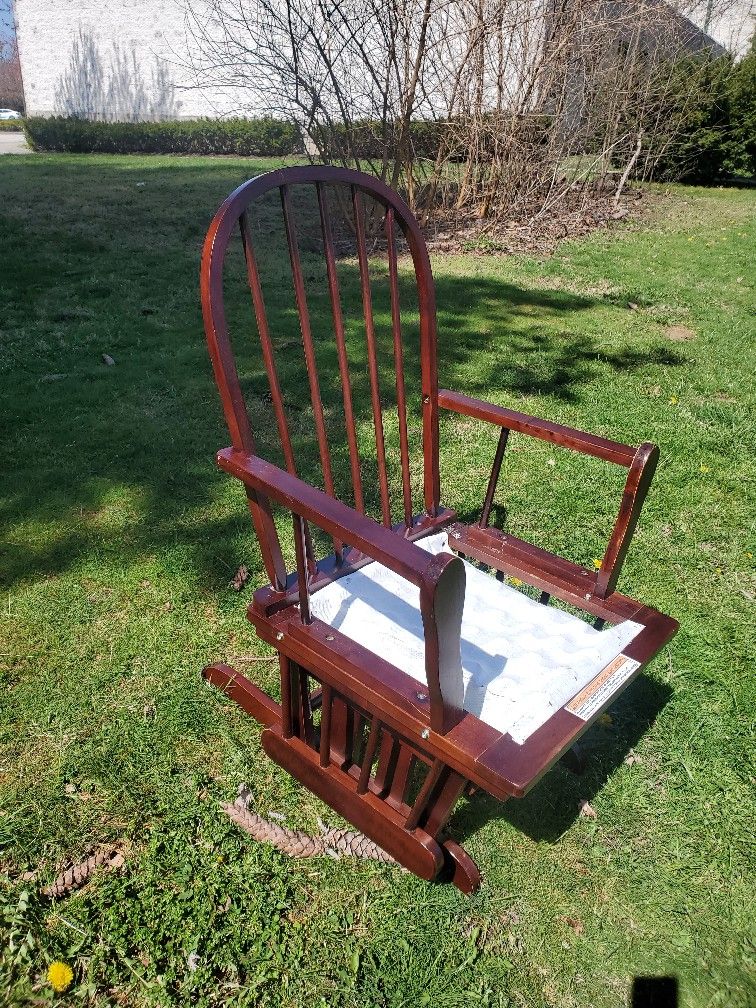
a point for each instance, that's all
(119, 540)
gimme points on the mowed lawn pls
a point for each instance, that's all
(119, 540)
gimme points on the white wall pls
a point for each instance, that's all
(729, 22)
(121, 60)
(107, 59)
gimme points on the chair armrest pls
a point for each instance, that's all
(641, 463)
(546, 430)
(440, 577)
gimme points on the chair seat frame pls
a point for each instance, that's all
(387, 753)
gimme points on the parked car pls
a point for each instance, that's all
(9, 113)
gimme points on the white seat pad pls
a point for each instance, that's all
(520, 661)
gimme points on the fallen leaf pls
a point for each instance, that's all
(107, 359)
(239, 579)
(605, 720)
(587, 810)
(632, 306)
(632, 758)
(575, 924)
(678, 333)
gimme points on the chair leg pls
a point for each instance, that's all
(243, 692)
(361, 769)
(576, 760)
(373, 817)
(461, 870)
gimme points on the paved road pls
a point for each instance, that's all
(13, 143)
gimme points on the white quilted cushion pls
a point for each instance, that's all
(521, 661)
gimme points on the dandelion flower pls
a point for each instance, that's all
(596, 563)
(59, 976)
(515, 581)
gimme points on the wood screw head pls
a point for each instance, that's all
(329, 636)
(425, 733)
(279, 635)
(421, 696)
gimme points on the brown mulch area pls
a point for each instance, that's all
(531, 235)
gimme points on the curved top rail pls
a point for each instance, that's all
(237, 202)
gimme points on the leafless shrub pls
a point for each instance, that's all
(487, 110)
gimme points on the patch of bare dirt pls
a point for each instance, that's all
(679, 333)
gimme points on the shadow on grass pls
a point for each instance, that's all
(87, 437)
(553, 805)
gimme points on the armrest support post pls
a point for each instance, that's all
(636, 487)
(493, 481)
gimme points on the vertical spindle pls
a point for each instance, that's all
(375, 395)
(401, 399)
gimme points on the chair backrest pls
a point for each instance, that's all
(385, 223)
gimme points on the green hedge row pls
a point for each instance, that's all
(261, 137)
(11, 125)
(245, 137)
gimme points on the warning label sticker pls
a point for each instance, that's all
(593, 696)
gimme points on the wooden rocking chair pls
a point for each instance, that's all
(409, 674)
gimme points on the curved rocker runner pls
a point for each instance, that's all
(483, 687)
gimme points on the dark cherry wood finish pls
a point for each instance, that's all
(389, 754)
